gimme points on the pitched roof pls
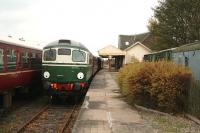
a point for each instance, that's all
(110, 50)
(137, 43)
(131, 39)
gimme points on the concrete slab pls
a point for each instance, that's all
(96, 93)
(103, 111)
(116, 103)
(93, 114)
(129, 117)
(131, 128)
(92, 127)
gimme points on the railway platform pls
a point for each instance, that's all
(103, 111)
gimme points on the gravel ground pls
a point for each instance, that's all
(73, 120)
(50, 121)
(170, 124)
(15, 118)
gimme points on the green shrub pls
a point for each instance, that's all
(123, 77)
(160, 85)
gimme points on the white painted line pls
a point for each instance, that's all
(86, 104)
(109, 119)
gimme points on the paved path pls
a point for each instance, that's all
(104, 112)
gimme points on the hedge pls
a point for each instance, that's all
(159, 85)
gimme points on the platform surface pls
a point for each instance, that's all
(103, 111)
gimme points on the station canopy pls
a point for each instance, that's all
(110, 51)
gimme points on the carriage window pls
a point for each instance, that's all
(11, 57)
(1, 59)
(39, 56)
(63, 51)
(25, 59)
(50, 55)
(33, 59)
(78, 56)
(33, 55)
(36, 60)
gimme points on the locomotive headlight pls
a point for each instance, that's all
(80, 75)
(46, 75)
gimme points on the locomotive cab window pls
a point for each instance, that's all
(78, 56)
(50, 55)
(1, 60)
(64, 51)
(11, 58)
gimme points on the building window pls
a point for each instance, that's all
(126, 43)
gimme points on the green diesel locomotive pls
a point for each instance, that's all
(68, 68)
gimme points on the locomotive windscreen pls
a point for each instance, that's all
(78, 56)
(50, 55)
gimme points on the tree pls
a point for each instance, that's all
(175, 23)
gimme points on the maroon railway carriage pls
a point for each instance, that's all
(20, 65)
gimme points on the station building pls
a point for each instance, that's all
(131, 48)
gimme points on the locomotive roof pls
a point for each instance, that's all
(65, 43)
(15, 42)
(188, 47)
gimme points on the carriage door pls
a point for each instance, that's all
(1, 60)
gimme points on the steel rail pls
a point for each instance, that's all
(68, 120)
(20, 129)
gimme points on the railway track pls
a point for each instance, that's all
(50, 119)
(20, 112)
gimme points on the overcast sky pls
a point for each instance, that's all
(95, 23)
